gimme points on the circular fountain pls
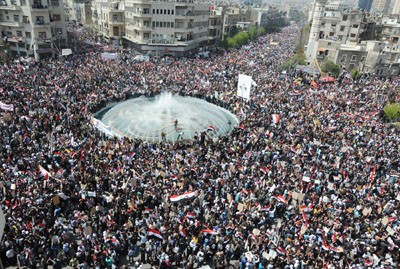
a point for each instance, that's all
(166, 117)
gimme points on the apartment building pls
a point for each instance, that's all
(380, 6)
(78, 11)
(109, 20)
(215, 24)
(33, 27)
(396, 7)
(166, 27)
(231, 17)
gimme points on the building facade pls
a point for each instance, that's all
(166, 27)
(33, 27)
(108, 19)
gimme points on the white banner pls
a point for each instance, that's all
(109, 56)
(244, 86)
(66, 52)
(102, 127)
(6, 107)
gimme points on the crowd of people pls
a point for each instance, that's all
(308, 179)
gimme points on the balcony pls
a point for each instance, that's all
(15, 39)
(4, 6)
(11, 24)
(142, 14)
(39, 7)
(116, 22)
(43, 40)
(41, 24)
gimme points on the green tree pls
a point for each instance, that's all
(231, 42)
(253, 32)
(330, 67)
(261, 30)
(241, 38)
(355, 74)
(392, 111)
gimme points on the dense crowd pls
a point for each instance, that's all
(315, 186)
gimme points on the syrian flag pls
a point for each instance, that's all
(265, 208)
(314, 84)
(183, 233)
(275, 118)
(280, 198)
(281, 251)
(152, 232)
(295, 92)
(180, 197)
(325, 246)
(191, 215)
(209, 231)
(56, 154)
(241, 127)
(372, 175)
(368, 262)
(211, 128)
(44, 172)
(264, 169)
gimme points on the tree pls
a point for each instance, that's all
(392, 111)
(241, 38)
(331, 67)
(253, 32)
(261, 31)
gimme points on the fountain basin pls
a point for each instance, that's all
(166, 117)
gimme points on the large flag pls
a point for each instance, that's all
(153, 232)
(209, 231)
(244, 86)
(44, 172)
(280, 198)
(211, 128)
(102, 127)
(180, 197)
(275, 118)
(6, 107)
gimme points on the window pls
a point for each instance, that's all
(354, 58)
(39, 20)
(158, 11)
(168, 25)
(362, 59)
(25, 19)
(342, 28)
(16, 18)
(322, 23)
(157, 24)
(23, 2)
(146, 11)
(172, 25)
(58, 31)
(353, 35)
(42, 35)
(153, 24)
(344, 58)
(355, 26)
(165, 24)
(169, 12)
(56, 17)
(146, 35)
(345, 17)
(19, 33)
(55, 3)
(333, 25)
(165, 11)
(154, 11)
(28, 35)
(172, 12)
